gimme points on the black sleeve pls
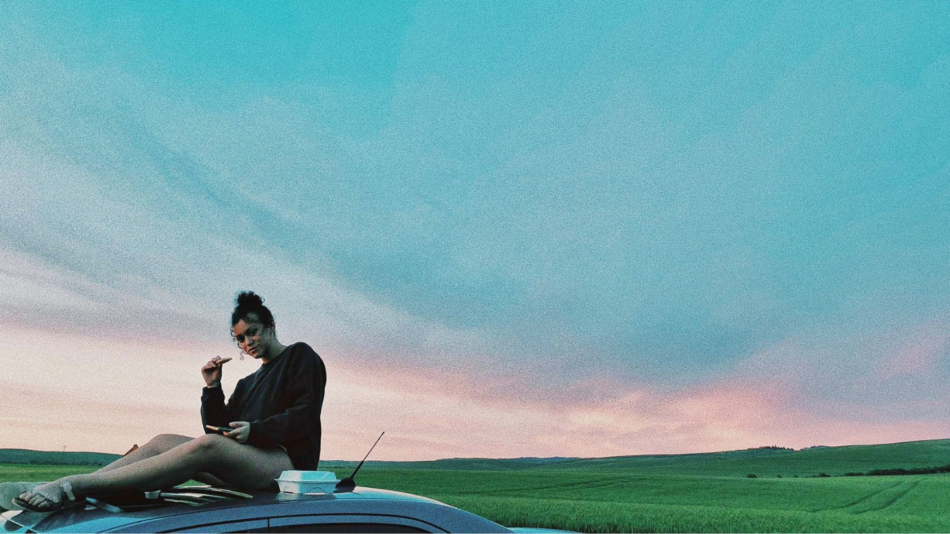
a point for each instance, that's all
(305, 393)
(213, 410)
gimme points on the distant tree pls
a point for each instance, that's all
(751, 475)
(915, 471)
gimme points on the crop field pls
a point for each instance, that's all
(688, 493)
(603, 502)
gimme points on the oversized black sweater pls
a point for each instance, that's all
(282, 401)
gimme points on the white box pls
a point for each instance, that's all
(307, 481)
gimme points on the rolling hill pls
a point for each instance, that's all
(766, 461)
(26, 456)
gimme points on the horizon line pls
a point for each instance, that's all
(552, 457)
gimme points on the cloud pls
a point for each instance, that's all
(635, 244)
(425, 411)
(431, 412)
(923, 354)
(45, 419)
(87, 248)
(820, 389)
(884, 375)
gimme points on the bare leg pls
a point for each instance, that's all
(155, 446)
(158, 445)
(239, 465)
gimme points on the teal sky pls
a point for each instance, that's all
(662, 195)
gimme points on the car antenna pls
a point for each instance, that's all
(347, 484)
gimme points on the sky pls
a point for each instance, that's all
(510, 229)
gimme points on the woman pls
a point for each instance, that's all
(273, 416)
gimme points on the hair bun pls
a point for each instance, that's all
(249, 299)
(248, 304)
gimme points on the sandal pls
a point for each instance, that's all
(56, 504)
(12, 490)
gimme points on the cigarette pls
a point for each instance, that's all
(224, 360)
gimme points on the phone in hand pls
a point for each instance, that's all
(219, 429)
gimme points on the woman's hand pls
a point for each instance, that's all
(211, 372)
(242, 431)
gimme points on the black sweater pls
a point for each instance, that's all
(282, 401)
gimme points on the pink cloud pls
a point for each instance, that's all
(804, 391)
(446, 417)
(46, 419)
(917, 354)
(94, 396)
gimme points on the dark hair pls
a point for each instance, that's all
(248, 302)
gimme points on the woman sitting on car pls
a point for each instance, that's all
(270, 424)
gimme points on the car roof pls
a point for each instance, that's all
(261, 506)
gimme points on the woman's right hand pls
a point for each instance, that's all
(211, 372)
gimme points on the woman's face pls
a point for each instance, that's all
(253, 337)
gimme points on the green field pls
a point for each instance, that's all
(683, 493)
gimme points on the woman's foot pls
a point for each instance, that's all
(12, 490)
(47, 497)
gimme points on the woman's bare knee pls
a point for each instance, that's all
(165, 442)
(209, 445)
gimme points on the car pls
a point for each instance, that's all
(209, 509)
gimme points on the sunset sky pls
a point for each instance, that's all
(510, 229)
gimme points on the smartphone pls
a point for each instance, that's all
(220, 429)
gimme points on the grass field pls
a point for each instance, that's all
(593, 501)
(689, 493)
